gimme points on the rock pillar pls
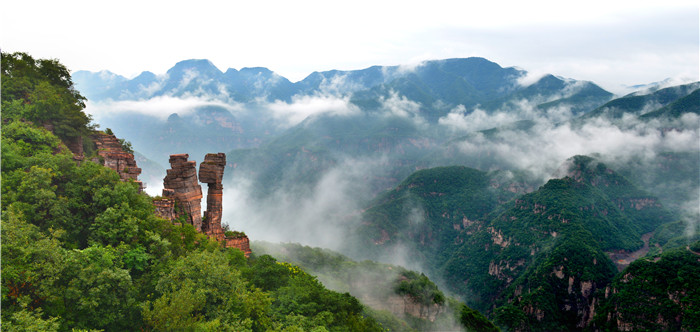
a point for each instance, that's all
(211, 172)
(182, 179)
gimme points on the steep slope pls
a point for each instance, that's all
(669, 293)
(534, 261)
(411, 300)
(430, 211)
(639, 104)
(543, 252)
(687, 104)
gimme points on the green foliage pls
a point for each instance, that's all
(376, 282)
(83, 251)
(654, 294)
(419, 288)
(473, 320)
(126, 145)
(300, 299)
(234, 234)
(41, 91)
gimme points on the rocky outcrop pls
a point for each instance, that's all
(241, 242)
(112, 155)
(165, 205)
(182, 196)
(181, 178)
(211, 172)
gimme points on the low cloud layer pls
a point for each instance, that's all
(320, 216)
(302, 107)
(157, 107)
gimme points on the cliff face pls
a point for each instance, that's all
(113, 156)
(654, 294)
(165, 207)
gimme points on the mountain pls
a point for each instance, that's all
(640, 104)
(533, 260)
(675, 109)
(670, 295)
(411, 300)
(468, 82)
(250, 108)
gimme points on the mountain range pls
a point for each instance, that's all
(528, 201)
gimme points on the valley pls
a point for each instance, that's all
(450, 195)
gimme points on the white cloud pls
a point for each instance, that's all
(542, 149)
(318, 217)
(399, 105)
(158, 107)
(302, 107)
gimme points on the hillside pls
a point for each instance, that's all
(82, 248)
(670, 294)
(409, 296)
(532, 260)
(641, 104)
(531, 203)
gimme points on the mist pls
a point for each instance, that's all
(324, 214)
(320, 216)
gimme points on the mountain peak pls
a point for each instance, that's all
(201, 65)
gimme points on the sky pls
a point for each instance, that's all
(612, 43)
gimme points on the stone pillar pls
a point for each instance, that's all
(182, 179)
(211, 172)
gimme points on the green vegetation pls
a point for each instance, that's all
(82, 250)
(670, 300)
(41, 91)
(533, 262)
(380, 284)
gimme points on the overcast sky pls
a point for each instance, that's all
(612, 43)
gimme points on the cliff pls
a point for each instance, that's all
(112, 155)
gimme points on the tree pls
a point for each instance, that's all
(41, 91)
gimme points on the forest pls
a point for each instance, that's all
(493, 245)
(84, 251)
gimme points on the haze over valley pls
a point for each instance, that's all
(359, 166)
(328, 162)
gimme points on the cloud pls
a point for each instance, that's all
(339, 85)
(459, 119)
(158, 107)
(319, 216)
(544, 147)
(530, 77)
(302, 107)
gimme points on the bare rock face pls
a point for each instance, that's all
(211, 172)
(241, 243)
(165, 206)
(182, 180)
(113, 156)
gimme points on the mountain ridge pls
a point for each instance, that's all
(456, 81)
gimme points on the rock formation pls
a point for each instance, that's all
(241, 242)
(187, 193)
(211, 172)
(112, 155)
(183, 194)
(165, 205)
